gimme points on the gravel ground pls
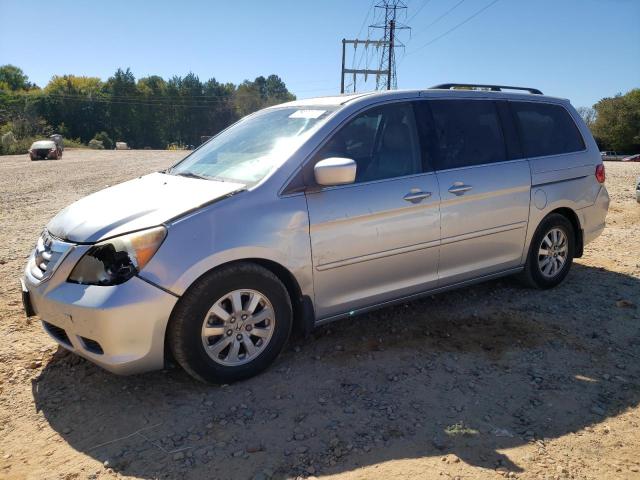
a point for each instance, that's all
(485, 382)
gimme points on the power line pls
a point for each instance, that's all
(455, 27)
(364, 50)
(364, 22)
(441, 16)
(424, 4)
(133, 100)
(143, 104)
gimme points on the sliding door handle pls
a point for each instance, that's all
(417, 196)
(459, 188)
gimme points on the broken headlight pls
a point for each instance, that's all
(115, 261)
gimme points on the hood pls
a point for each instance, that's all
(140, 203)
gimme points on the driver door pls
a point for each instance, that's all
(377, 239)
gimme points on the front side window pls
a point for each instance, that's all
(467, 132)
(252, 148)
(382, 141)
(546, 129)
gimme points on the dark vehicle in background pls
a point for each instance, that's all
(632, 158)
(638, 189)
(45, 150)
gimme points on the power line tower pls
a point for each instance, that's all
(389, 25)
(385, 74)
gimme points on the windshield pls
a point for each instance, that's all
(252, 148)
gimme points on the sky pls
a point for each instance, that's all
(583, 50)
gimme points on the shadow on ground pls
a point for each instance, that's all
(470, 372)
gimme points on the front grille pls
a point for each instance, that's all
(47, 255)
(57, 333)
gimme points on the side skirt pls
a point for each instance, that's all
(416, 296)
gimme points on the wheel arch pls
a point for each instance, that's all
(572, 216)
(303, 311)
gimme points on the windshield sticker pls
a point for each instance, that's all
(307, 114)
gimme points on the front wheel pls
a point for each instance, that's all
(231, 324)
(551, 253)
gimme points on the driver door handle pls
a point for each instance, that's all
(459, 188)
(417, 196)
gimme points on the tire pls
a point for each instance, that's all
(539, 269)
(186, 336)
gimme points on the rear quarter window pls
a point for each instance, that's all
(546, 129)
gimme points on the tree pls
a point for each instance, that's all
(588, 114)
(77, 103)
(104, 139)
(123, 106)
(617, 123)
(13, 78)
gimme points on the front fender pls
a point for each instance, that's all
(247, 226)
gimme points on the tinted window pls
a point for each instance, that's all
(509, 130)
(468, 132)
(546, 129)
(382, 141)
(427, 134)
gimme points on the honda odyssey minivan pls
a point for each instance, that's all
(315, 210)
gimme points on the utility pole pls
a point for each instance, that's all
(391, 66)
(386, 72)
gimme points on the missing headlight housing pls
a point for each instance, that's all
(115, 261)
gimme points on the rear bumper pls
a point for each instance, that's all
(120, 328)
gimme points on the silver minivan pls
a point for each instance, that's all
(315, 210)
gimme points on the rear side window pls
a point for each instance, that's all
(467, 133)
(546, 129)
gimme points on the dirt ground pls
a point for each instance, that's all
(487, 382)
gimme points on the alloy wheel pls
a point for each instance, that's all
(553, 252)
(238, 327)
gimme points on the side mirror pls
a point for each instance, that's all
(335, 171)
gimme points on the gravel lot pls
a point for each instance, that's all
(485, 382)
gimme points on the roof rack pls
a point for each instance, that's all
(493, 88)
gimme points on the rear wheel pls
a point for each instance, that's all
(551, 253)
(231, 324)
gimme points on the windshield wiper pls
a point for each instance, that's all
(191, 175)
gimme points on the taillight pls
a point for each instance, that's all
(600, 176)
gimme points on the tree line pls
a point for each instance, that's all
(152, 112)
(149, 112)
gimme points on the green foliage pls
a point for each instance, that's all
(10, 145)
(460, 429)
(148, 113)
(13, 78)
(105, 140)
(73, 143)
(617, 122)
(17, 135)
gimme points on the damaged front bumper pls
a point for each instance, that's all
(120, 328)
